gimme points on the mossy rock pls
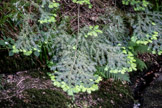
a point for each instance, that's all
(12, 64)
(37, 98)
(14, 102)
(114, 95)
(42, 74)
(153, 96)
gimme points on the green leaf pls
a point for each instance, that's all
(2, 42)
(36, 53)
(140, 64)
(70, 92)
(15, 50)
(27, 53)
(11, 53)
(89, 91)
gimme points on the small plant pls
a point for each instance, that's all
(147, 31)
(93, 31)
(137, 4)
(47, 17)
(7, 43)
(138, 49)
(75, 57)
(81, 2)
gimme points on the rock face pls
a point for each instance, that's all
(37, 98)
(160, 77)
(153, 94)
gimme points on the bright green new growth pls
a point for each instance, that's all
(77, 88)
(147, 31)
(137, 4)
(48, 17)
(93, 31)
(131, 61)
(81, 2)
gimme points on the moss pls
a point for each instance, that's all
(153, 96)
(38, 74)
(113, 95)
(47, 98)
(34, 74)
(11, 64)
(34, 98)
(26, 80)
(13, 103)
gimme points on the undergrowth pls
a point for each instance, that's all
(79, 60)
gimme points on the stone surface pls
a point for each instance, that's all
(153, 95)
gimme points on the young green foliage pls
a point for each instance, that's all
(48, 17)
(81, 2)
(137, 4)
(147, 31)
(138, 49)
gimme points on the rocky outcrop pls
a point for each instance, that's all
(153, 94)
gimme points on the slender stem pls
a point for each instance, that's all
(4, 48)
(78, 18)
(75, 56)
(77, 35)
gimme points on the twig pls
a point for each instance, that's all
(20, 82)
(75, 56)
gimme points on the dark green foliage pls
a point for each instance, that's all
(147, 30)
(138, 5)
(33, 35)
(107, 48)
(15, 63)
(139, 49)
(106, 74)
(34, 98)
(115, 29)
(140, 64)
(6, 44)
(9, 16)
(156, 5)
